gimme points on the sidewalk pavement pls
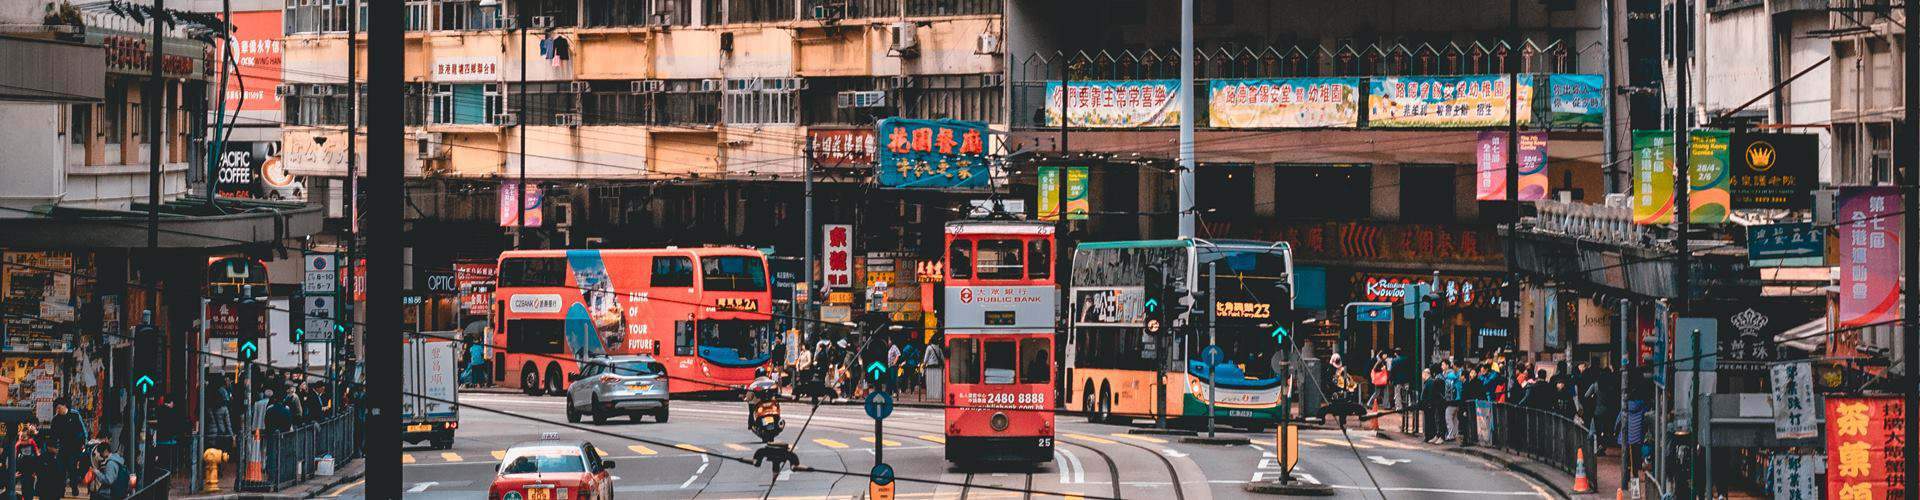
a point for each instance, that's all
(1606, 483)
(352, 471)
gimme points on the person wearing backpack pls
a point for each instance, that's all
(110, 473)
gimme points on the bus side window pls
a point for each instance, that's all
(963, 364)
(1036, 362)
(672, 272)
(1039, 259)
(683, 334)
(960, 259)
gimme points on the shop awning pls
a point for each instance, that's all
(1805, 337)
(187, 222)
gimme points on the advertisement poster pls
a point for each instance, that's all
(1116, 104)
(510, 190)
(1707, 176)
(1533, 166)
(1858, 458)
(256, 49)
(1577, 100)
(1284, 103)
(1444, 101)
(932, 153)
(1774, 170)
(1793, 410)
(475, 281)
(836, 256)
(1747, 329)
(1868, 221)
(242, 168)
(1049, 193)
(1794, 477)
(1652, 177)
(1490, 166)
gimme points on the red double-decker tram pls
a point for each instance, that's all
(999, 323)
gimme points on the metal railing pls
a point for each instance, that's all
(290, 457)
(1544, 436)
(157, 486)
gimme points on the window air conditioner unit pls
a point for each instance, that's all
(285, 90)
(987, 44)
(902, 41)
(992, 80)
(832, 11)
(902, 82)
(648, 86)
(506, 119)
(712, 85)
(580, 87)
(320, 90)
(567, 119)
(861, 99)
(794, 83)
(429, 145)
(542, 22)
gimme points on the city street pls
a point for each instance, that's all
(840, 438)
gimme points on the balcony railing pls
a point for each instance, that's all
(1303, 60)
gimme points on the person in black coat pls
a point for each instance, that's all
(71, 434)
(1432, 402)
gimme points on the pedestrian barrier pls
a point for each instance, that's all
(287, 458)
(1541, 435)
(154, 487)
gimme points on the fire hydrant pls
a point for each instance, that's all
(213, 458)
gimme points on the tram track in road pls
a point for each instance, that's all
(1173, 473)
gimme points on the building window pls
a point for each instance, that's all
(464, 104)
(314, 16)
(822, 103)
(563, 12)
(113, 114)
(849, 9)
(761, 100)
(639, 13)
(615, 103)
(958, 97)
(79, 123)
(319, 104)
(751, 11)
(920, 8)
(544, 101)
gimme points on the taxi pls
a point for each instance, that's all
(552, 469)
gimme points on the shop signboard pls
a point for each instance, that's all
(1444, 101)
(932, 153)
(1794, 476)
(1116, 104)
(466, 69)
(1865, 436)
(1652, 200)
(1048, 191)
(1774, 170)
(836, 260)
(1793, 403)
(1284, 103)
(1748, 329)
(1707, 199)
(842, 148)
(1576, 100)
(1457, 291)
(1868, 221)
(475, 280)
(1792, 244)
(256, 49)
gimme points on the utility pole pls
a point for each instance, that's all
(1910, 252)
(1062, 257)
(352, 197)
(155, 100)
(216, 148)
(806, 252)
(1186, 120)
(1682, 19)
(386, 191)
(520, 129)
(1609, 154)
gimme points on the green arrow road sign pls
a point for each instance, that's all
(301, 333)
(144, 384)
(1152, 305)
(1279, 333)
(875, 370)
(248, 350)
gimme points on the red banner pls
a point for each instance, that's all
(256, 49)
(1347, 242)
(1865, 439)
(475, 281)
(1868, 221)
(842, 148)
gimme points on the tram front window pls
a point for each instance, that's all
(999, 362)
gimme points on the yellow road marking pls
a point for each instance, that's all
(1310, 444)
(692, 448)
(451, 456)
(344, 487)
(1149, 439)
(738, 447)
(1092, 439)
(830, 443)
(499, 455)
(1337, 442)
(642, 450)
(1392, 444)
(406, 458)
(934, 438)
(887, 442)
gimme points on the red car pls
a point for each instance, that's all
(552, 469)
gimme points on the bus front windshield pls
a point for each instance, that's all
(735, 342)
(1252, 300)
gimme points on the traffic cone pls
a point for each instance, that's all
(1373, 424)
(1580, 482)
(254, 470)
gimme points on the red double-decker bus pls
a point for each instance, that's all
(999, 324)
(702, 312)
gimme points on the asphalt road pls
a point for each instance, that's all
(678, 460)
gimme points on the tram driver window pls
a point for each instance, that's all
(962, 362)
(960, 259)
(997, 361)
(1039, 257)
(1001, 260)
(1036, 362)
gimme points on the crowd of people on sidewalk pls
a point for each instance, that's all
(1588, 393)
(62, 458)
(830, 366)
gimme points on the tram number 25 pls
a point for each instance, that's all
(1046, 442)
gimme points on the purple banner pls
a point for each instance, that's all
(1869, 221)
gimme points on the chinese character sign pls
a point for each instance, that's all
(1707, 176)
(1444, 101)
(531, 203)
(836, 148)
(1490, 166)
(256, 49)
(1793, 416)
(1284, 103)
(1652, 177)
(837, 256)
(1791, 244)
(1774, 170)
(932, 153)
(1868, 222)
(1049, 193)
(1794, 476)
(1576, 99)
(1865, 440)
(1115, 104)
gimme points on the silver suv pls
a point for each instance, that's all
(631, 385)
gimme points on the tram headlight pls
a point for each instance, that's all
(998, 422)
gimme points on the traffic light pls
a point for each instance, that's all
(249, 341)
(1159, 300)
(146, 354)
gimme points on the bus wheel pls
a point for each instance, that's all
(1086, 404)
(530, 380)
(1106, 406)
(555, 384)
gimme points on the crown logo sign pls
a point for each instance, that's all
(1760, 156)
(1749, 321)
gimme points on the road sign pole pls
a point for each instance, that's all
(1213, 342)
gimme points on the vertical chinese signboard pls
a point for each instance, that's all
(1444, 101)
(1868, 220)
(1116, 104)
(1707, 176)
(256, 49)
(1865, 440)
(1049, 193)
(837, 256)
(510, 190)
(1533, 166)
(1793, 416)
(1284, 103)
(1490, 166)
(1652, 177)
(932, 153)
